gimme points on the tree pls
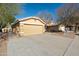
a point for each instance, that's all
(46, 16)
(7, 14)
(68, 14)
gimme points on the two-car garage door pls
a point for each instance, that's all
(28, 29)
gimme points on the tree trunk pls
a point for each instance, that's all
(0, 30)
(76, 28)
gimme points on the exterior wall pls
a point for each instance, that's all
(53, 28)
(31, 27)
(32, 21)
(16, 28)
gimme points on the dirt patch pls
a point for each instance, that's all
(3, 48)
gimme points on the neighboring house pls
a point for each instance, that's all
(5, 30)
(61, 28)
(74, 28)
(29, 26)
(52, 27)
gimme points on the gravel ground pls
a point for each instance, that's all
(3, 48)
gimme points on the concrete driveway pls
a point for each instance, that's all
(47, 44)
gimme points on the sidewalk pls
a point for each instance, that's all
(73, 50)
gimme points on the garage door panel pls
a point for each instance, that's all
(31, 29)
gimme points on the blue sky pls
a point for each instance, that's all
(32, 9)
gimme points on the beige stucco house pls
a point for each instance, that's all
(30, 26)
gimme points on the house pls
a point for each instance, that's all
(52, 27)
(15, 27)
(73, 28)
(5, 30)
(29, 26)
